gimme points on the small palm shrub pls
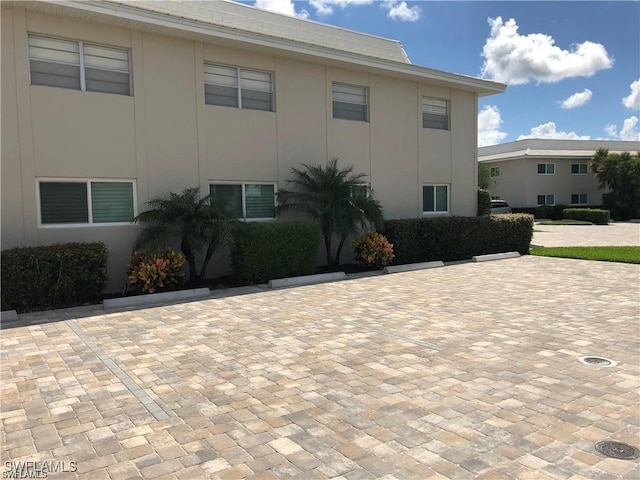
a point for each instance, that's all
(156, 272)
(373, 249)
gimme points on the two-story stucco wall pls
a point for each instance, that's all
(165, 138)
(519, 182)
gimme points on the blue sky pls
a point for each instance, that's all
(572, 68)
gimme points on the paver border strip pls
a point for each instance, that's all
(127, 381)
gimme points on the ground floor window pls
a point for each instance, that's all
(435, 199)
(546, 199)
(578, 198)
(249, 201)
(81, 202)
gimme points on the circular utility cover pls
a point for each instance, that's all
(598, 361)
(617, 450)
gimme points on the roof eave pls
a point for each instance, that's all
(138, 15)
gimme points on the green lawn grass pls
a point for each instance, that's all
(606, 254)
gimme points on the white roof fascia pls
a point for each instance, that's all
(540, 154)
(129, 12)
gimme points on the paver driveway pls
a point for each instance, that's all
(468, 371)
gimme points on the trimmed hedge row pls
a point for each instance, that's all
(263, 251)
(599, 217)
(551, 212)
(458, 238)
(38, 278)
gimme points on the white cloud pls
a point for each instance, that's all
(281, 6)
(577, 99)
(549, 130)
(325, 7)
(632, 102)
(396, 9)
(489, 121)
(629, 130)
(401, 11)
(515, 59)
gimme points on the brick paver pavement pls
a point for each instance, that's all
(622, 234)
(470, 371)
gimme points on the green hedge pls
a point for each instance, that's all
(458, 238)
(38, 278)
(263, 251)
(599, 217)
(484, 202)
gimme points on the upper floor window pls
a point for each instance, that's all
(80, 202)
(249, 201)
(238, 87)
(435, 199)
(360, 190)
(546, 169)
(579, 168)
(350, 102)
(78, 65)
(495, 171)
(435, 113)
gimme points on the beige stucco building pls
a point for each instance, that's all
(533, 172)
(107, 104)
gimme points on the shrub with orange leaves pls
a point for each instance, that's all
(373, 249)
(156, 272)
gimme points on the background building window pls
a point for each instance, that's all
(546, 200)
(249, 201)
(495, 172)
(435, 198)
(579, 168)
(350, 102)
(578, 198)
(86, 202)
(546, 168)
(221, 87)
(435, 113)
(78, 65)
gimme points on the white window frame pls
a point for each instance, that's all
(366, 99)
(83, 80)
(546, 197)
(586, 169)
(243, 185)
(494, 172)
(448, 106)
(238, 87)
(435, 212)
(546, 168)
(586, 199)
(366, 185)
(86, 181)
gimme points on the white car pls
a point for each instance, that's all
(500, 206)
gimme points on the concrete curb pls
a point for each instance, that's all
(495, 256)
(307, 280)
(156, 298)
(412, 266)
(9, 316)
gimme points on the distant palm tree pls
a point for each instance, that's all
(335, 198)
(193, 221)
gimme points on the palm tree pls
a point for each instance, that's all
(333, 197)
(192, 220)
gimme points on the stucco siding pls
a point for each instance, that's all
(164, 137)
